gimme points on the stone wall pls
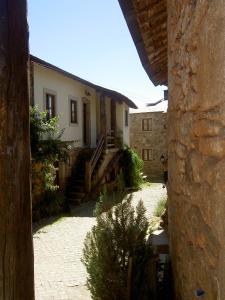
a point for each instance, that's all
(155, 140)
(66, 167)
(196, 37)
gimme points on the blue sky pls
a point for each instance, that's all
(90, 39)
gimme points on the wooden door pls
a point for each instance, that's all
(86, 123)
(113, 117)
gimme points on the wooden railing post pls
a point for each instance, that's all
(91, 164)
(87, 176)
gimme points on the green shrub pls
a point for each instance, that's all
(160, 208)
(44, 136)
(46, 150)
(107, 199)
(51, 204)
(132, 168)
(119, 235)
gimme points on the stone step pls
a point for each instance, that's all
(80, 175)
(76, 188)
(74, 201)
(111, 145)
(77, 182)
(76, 195)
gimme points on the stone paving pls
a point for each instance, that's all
(59, 273)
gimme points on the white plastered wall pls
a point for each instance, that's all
(108, 113)
(65, 88)
(120, 121)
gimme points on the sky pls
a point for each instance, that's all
(90, 39)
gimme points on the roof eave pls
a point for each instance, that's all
(133, 26)
(112, 93)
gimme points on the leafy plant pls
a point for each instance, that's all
(107, 199)
(118, 236)
(160, 207)
(132, 168)
(44, 136)
(46, 150)
(51, 204)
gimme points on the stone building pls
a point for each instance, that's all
(182, 44)
(148, 136)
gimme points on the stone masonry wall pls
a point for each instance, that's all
(196, 37)
(155, 140)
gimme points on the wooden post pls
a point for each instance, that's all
(16, 249)
(87, 176)
(103, 119)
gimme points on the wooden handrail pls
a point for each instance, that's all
(90, 165)
(97, 153)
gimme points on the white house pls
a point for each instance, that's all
(91, 116)
(85, 110)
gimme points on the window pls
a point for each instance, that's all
(147, 154)
(147, 124)
(126, 117)
(50, 105)
(73, 111)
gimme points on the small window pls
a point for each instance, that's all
(73, 111)
(126, 117)
(50, 106)
(147, 124)
(147, 154)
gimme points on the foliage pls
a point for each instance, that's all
(51, 204)
(132, 168)
(160, 208)
(146, 185)
(44, 136)
(43, 178)
(107, 199)
(46, 150)
(119, 235)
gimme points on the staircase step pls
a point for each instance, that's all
(76, 195)
(74, 201)
(76, 181)
(76, 189)
(110, 145)
(80, 175)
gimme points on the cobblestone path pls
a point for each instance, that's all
(59, 273)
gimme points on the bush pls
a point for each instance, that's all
(107, 199)
(44, 136)
(160, 208)
(120, 234)
(46, 150)
(51, 204)
(132, 168)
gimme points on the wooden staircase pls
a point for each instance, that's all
(110, 139)
(85, 171)
(76, 188)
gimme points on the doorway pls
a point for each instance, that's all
(113, 117)
(86, 122)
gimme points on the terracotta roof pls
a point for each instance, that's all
(110, 93)
(147, 22)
